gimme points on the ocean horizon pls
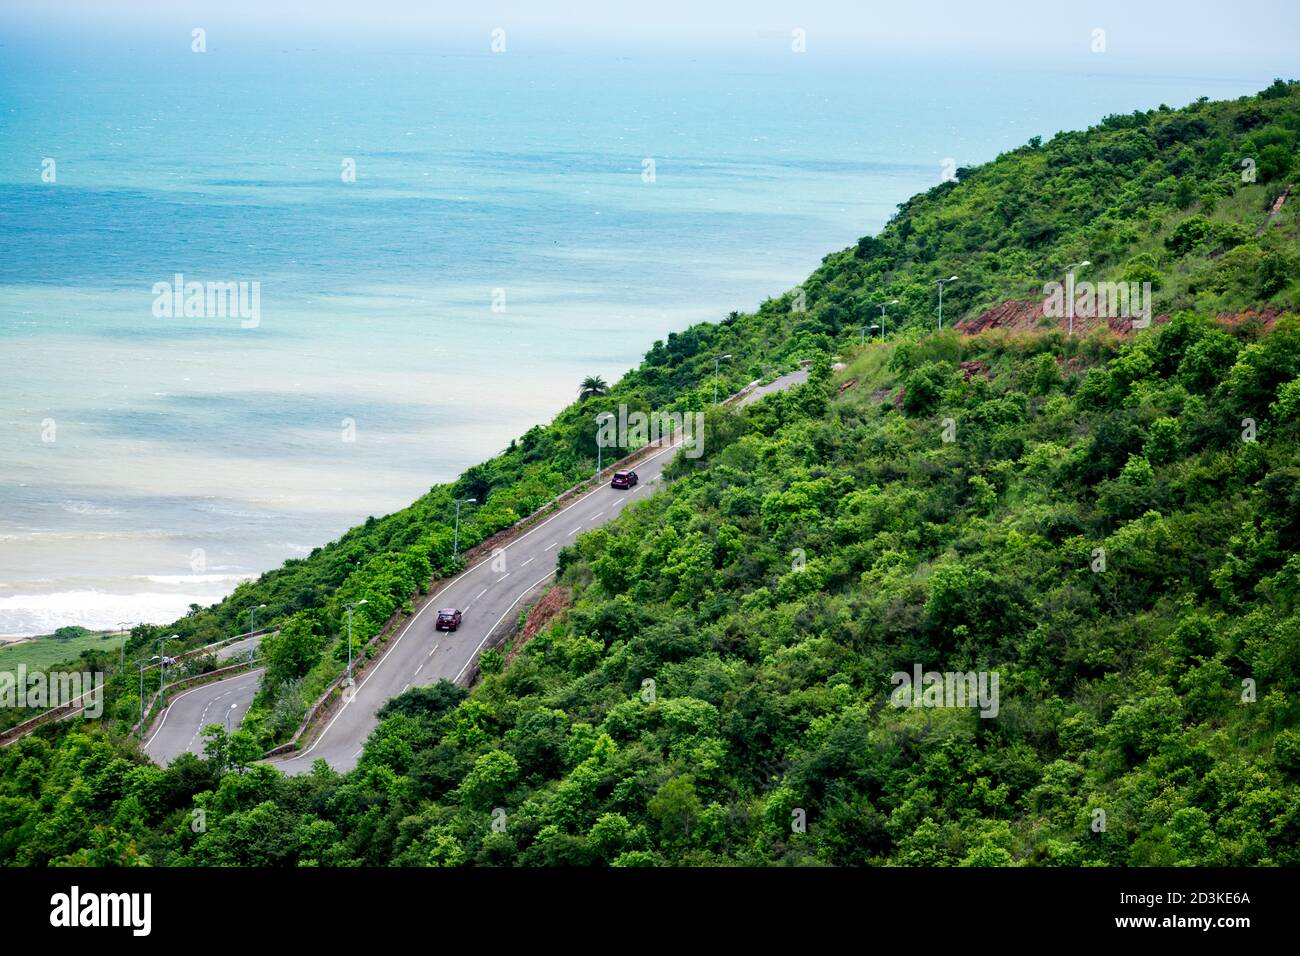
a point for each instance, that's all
(514, 223)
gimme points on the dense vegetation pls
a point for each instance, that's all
(727, 658)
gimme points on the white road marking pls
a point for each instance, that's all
(167, 711)
(551, 545)
(533, 558)
(503, 577)
(598, 514)
(493, 628)
(576, 530)
(480, 594)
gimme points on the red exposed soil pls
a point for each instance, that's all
(1265, 318)
(553, 603)
(1024, 315)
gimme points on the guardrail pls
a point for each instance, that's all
(54, 713)
(18, 731)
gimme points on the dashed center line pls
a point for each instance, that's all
(503, 577)
(576, 530)
(551, 545)
(533, 558)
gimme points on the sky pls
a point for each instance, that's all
(1207, 35)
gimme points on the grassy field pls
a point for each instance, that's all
(47, 650)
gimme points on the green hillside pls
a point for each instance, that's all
(1107, 523)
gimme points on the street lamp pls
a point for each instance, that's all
(140, 729)
(883, 306)
(162, 667)
(121, 657)
(252, 650)
(941, 285)
(602, 417)
(872, 328)
(348, 608)
(455, 541)
(716, 360)
(1069, 290)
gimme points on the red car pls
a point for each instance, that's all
(623, 479)
(448, 619)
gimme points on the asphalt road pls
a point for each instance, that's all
(180, 728)
(789, 380)
(486, 593)
(239, 650)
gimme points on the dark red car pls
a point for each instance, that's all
(623, 479)
(448, 619)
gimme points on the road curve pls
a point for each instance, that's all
(180, 728)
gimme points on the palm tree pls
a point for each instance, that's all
(592, 385)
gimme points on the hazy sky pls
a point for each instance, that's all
(1209, 36)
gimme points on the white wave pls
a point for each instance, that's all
(192, 578)
(30, 614)
(88, 508)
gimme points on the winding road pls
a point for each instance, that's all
(488, 593)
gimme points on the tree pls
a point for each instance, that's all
(591, 387)
(676, 806)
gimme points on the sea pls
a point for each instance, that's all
(441, 244)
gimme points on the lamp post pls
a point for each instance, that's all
(455, 541)
(121, 657)
(140, 728)
(162, 667)
(716, 360)
(1069, 290)
(883, 306)
(252, 650)
(872, 328)
(602, 417)
(348, 608)
(942, 282)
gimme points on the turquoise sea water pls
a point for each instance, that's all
(189, 452)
